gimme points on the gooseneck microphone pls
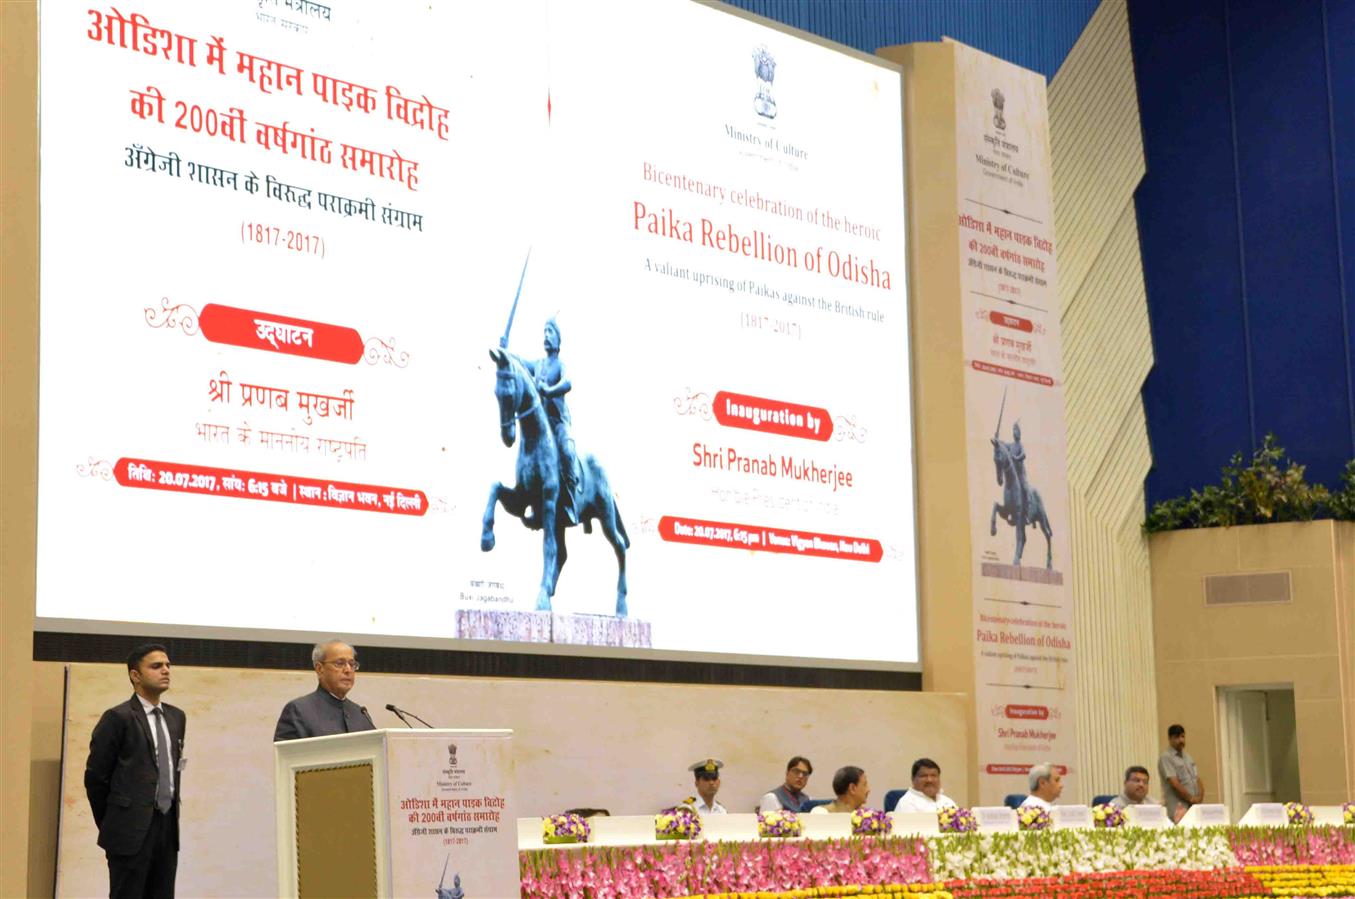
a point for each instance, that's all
(401, 713)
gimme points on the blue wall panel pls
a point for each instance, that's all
(1240, 218)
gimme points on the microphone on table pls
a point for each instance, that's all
(401, 713)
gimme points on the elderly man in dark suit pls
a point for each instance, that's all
(327, 710)
(132, 781)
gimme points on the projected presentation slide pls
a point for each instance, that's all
(473, 321)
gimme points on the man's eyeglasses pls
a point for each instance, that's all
(341, 664)
(799, 772)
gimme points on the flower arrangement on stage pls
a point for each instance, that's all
(1051, 864)
(779, 824)
(871, 822)
(953, 819)
(565, 829)
(677, 824)
(1055, 853)
(1107, 815)
(1033, 817)
(1299, 814)
(1348, 813)
(1293, 845)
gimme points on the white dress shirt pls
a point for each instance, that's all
(917, 801)
(1036, 801)
(715, 808)
(155, 734)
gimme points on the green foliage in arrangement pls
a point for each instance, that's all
(1270, 488)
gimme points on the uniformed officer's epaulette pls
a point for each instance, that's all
(690, 800)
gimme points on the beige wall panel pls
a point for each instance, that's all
(944, 610)
(1202, 648)
(18, 424)
(621, 746)
(49, 686)
(1343, 536)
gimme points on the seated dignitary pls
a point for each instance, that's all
(327, 710)
(1135, 790)
(925, 795)
(790, 794)
(1046, 784)
(707, 775)
(851, 787)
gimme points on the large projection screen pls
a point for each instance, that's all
(300, 262)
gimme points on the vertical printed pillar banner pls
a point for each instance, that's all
(1015, 435)
(453, 823)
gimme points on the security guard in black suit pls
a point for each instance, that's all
(132, 779)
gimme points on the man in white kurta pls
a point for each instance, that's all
(925, 795)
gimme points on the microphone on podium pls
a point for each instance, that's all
(401, 713)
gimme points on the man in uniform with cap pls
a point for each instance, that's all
(707, 774)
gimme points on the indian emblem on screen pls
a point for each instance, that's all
(451, 755)
(764, 66)
(999, 101)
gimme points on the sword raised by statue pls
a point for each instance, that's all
(503, 341)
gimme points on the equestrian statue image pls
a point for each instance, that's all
(556, 487)
(1021, 504)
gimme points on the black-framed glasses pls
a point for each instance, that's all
(341, 664)
(800, 772)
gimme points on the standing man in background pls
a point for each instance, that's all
(132, 781)
(327, 710)
(1182, 786)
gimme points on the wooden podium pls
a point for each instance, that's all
(393, 812)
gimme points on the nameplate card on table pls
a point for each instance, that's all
(1328, 814)
(1265, 814)
(827, 826)
(729, 828)
(920, 823)
(995, 818)
(1152, 817)
(1070, 817)
(1206, 816)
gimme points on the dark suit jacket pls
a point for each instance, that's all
(121, 774)
(319, 714)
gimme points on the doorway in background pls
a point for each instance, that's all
(1258, 746)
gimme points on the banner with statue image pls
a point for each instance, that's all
(453, 825)
(1024, 643)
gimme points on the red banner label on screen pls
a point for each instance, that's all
(1037, 712)
(280, 334)
(762, 538)
(1032, 377)
(755, 413)
(279, 488)
(1022, 769)
(1011, 321)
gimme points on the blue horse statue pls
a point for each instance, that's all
(535, 498)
